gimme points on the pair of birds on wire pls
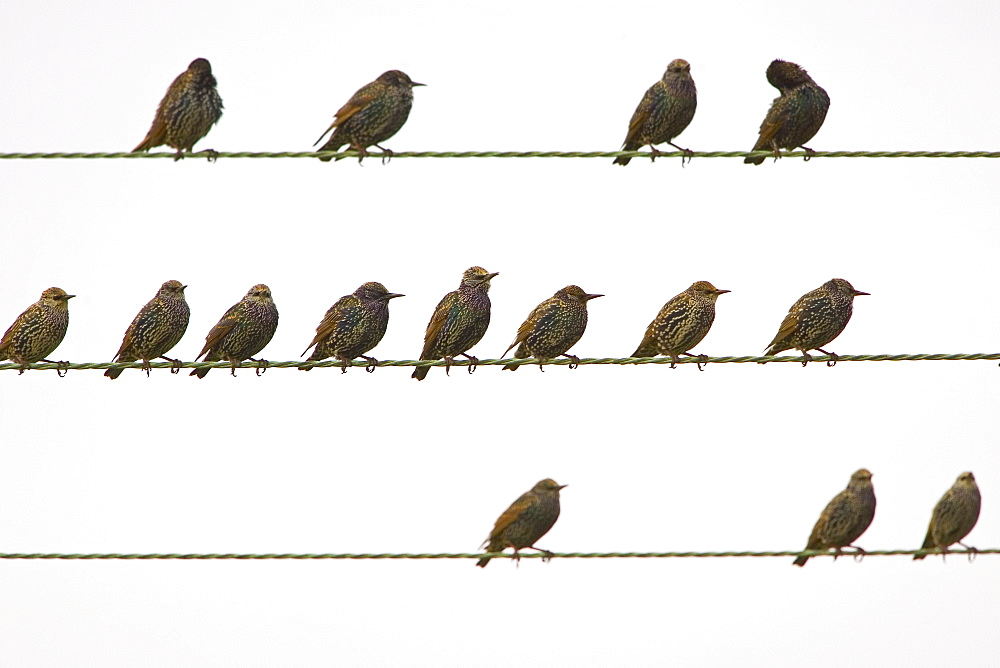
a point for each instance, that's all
(842, 522)
(357, 322)
(378, 110)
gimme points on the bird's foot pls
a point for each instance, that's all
(810, 154)
(833, 357)
(211, 154)
(146, 367)
(688, 153)
(344, 363)
(808, 358)
(473, 362)
(654, 153)
(574, 361)
(859, 553)
(372, 363)
(362, 152)
(448, 361)
(175, 366)
(674, 359)
(546, 555)
(972, 551)
(386, 154)
(179, 155)
(262, 366)
(62, 367)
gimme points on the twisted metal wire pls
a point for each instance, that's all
(212, 155)
(746, 359)
(478, 555)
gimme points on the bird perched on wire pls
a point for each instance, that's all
(816, 319)
(525, 522)
(845, 518)
(242, 332)
(354, 325)
(664, 112)
(553, 327)
(954, 516)
(156, 328)
(681, 324)
(38, 331)
(187, 112)
(373, 114)
(459, 321)
(795, 116)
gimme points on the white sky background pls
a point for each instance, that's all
(738, 457)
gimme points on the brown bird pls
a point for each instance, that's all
(525, 522)
(664, 112)
(353, 326)
(795, 116)
(553, 327)
(373, 114)
(954, 516)
(816, 319)
(845, 518)
(38, 331)
(187, 112)
(242, 332)
(459, 322)
(681, 324)
(156, 328)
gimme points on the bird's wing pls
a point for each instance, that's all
(221, 329)
(513, 513)
(776, 117)
(438, 320)
(333, 318)
(525, 329)
(358, 101)
(634, 136)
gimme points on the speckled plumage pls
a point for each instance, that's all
(459, 321)
(187, 112)
(816, 319)
(526, 521)
(373, 114)
(682, 323)
(664, 112)
(795, 116)
(39, 330)
(242, 332)
(553, 327)
(156, 328)
(845, 518)
(354, 325)
(954, 516)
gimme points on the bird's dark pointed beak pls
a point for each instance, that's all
(722, 292)
(67, 297)
(414, 83)
(392, 295)
(184, 287)
(589, 297)
(858, 293)
(561, 486)
(493, 275)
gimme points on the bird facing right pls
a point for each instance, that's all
(845, 518)
(681, 324)
(156, 328)
(526, 521)
(954, 516)
(187, 112)
(816, 319)
(373, 114)
(38, 331)
(242, 332)
(354, 325)
(553, 327)
(664, 112)
(459, 321)
(795, 116)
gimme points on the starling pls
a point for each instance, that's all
(372, 115)
(242, 332)
(527, 520)
(795, 116)
(553, 327)
(681, 324)
(353, 326)
(156, 329)
(816, 319)
(38, 331)
(666, 109)
(459, 321)
(845, 518)
(187, 112)
(954, 516)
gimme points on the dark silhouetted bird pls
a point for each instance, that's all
(845, 518)
(38, 331)
(243, 331)
(681, 324)
(372, 115)
(665, 110)
(795, 116)
(816, 319)
(353, 326)
(526, 521)
(954, 516)
(553, 327)
(459, 321)
(187, 112)
(157, 328)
